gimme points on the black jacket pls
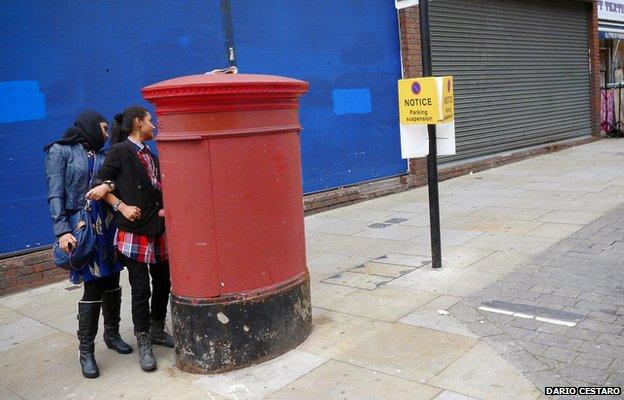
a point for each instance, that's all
(133, 187)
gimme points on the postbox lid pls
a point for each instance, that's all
(212, 90)
(224, 84)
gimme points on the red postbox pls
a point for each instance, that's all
(231, 171)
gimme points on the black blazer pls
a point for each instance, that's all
(134, 188)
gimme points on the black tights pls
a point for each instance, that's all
(139, 277)
(93, 290)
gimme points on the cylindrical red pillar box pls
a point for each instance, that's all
(231, 172)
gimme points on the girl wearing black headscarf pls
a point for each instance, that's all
(71, 162)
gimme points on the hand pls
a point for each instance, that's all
(67, 242)
(131, 213)
(161, 213)
(98, 192)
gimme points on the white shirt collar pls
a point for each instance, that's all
(141, 145)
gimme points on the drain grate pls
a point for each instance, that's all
(387, 223)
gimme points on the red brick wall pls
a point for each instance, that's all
(28, 271)
(411, 57)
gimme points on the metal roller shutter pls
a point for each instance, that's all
(521, 71)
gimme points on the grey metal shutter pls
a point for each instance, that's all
(521, 71)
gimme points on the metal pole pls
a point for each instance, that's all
(432, 158)
(228, 32)
(619, 123)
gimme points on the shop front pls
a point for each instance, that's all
(522, 76)
(611, 33)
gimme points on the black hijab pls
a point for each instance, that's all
(86, 130)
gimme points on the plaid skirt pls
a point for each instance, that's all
(141, 248)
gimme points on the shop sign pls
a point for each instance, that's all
(612, 35)
(611, 10)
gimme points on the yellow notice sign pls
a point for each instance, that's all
(418, 101)
(448, 101)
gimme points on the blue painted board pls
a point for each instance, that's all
(349, 52)
(60, 57)
(64, 56)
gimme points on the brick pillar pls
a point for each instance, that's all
(594, 60)
(409, 27)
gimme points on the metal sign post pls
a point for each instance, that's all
(228, 32)
(432, 157)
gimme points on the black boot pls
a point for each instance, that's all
(88, 318)
(158, 334)
(111, 305)
(146, 357)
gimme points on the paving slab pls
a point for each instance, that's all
(516, 243)
(325, 265)
(490, 224)
(448, 395)
(380, 269)
(56, 355)
(499, 262)
(356, 280)
(176, 389)
(570, 217)
(338, 381)
(22, 331)
(6, 394)
(451, 281)
(337, 226)
(450, 237)
(516, 213)
(420, 220)
(394, 232)
(44, 304)
(343, 244)
(325, 293)
(385, 247)
(408, 260)
(432, 319)
(481, 373)
(47, 357)
(259, 381)
(381, 346)
(385, 303)
(555, 230)
(461, 257)
(7, 316)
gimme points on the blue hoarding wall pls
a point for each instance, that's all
(61, 57)
(349, 52)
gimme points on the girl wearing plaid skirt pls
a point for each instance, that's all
(131, 171)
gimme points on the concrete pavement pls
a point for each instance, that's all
(539, 239)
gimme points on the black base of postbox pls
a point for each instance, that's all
(222, 334)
